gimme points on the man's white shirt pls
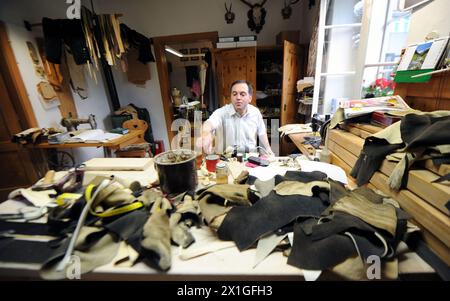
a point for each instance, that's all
(232, 129)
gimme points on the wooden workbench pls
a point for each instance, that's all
(108, 147)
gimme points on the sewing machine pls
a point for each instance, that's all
(72, 123)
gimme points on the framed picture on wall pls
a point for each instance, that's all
(184, 51)
(194, 51)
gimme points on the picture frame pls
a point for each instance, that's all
(184, 51)
(194, 51)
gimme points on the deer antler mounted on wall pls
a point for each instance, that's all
(287, 10)
(229, 15)
(256, 15)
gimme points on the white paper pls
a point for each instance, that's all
(334, 172)
(93, 136)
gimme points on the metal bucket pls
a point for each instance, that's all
(176, 170)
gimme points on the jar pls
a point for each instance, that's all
(221, 173)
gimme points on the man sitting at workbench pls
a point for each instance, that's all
(237, 124)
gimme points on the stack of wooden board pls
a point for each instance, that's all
(424, 200)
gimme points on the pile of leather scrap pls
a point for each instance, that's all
(320, 212)
(418, 136)
(33, 135)
(110, 221)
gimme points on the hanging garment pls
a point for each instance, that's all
(211, 93)
(132, 38)
(69, 32)
(77, 79)
(137, 72)
(191, 75)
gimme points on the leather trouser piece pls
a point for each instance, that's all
(320, 254)
(26, 228)
(264, 187)
(155, 240)
(24, 251)
(369, 194)
(295, 187)
(425, 130)
(245, 225)
(337, 191)
(94, 247)
(382, 216)
(301, 176)
(370, 159)
(217, 200)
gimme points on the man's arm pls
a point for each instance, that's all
(205, 140)
(264, 140)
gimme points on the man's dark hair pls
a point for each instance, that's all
(243, 81)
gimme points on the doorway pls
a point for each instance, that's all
(19, 164)
(164, 64)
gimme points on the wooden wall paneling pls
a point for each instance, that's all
(234, 64)
(431, 96)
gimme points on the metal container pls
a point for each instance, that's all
(176, 170)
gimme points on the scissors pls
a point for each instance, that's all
(26, 213)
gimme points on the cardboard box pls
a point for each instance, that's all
(288, 35)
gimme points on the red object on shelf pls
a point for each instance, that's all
(159, 147)
(379, 118)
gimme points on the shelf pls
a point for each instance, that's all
(269, 73)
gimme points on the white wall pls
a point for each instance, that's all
(13, 13)
(151, 18)
(431, 16)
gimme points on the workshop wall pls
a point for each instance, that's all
(13, 13)
(151, 18)
(429, 17)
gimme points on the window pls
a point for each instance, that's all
(351, 64)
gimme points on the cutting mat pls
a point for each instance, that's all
(118, 164)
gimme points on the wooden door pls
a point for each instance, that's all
(17, 169)
(233, 64)
(18, 165)
(291, 64)
(289, 87)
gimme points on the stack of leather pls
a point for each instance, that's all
(426, 200)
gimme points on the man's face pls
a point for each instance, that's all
(240, 97)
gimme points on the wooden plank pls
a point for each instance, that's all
(334, 159)
(440, 249)
(432, 219)
(344, 154)
(420, 182)
(441, 170)
(367, 127)
(118, 164)
(347, 140)
(355, 130)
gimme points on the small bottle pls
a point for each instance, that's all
(221, 173)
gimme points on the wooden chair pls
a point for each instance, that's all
(141, 149)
